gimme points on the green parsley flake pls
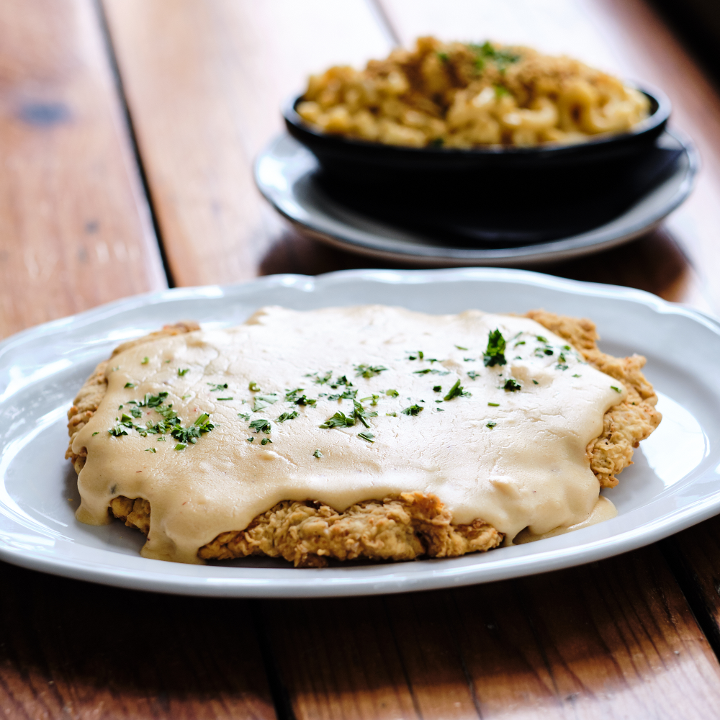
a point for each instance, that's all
(490, 424)
(130, 385)
(217, 388)
(250, 439)
(536, 382)
(152, 450)
(225, 398)
(456, 391)
(180, 446)
(412, 410)
(511, 385)
(97, 432)
(261, 425)
(265, 441)
(184, 371)
(494, 404)
(253, 387)
(616, 389)
(472, 374)
(287, 416)
(391, 414)
(576, 375)
(262, 401)
(437, 388)
(145, 361)
(368, 371)
(244, 416)
(369, 437)
(460, 347)
(495, 351)
(392, 393)
(339, 419)
(317, 453)
(415, 354)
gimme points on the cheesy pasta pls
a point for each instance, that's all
(462, 95)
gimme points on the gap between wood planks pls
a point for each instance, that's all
(112, 59)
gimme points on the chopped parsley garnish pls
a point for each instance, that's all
(561, 366)
(321, 380)
(491, 424)
(460, 347)
(511, 385)
(576, 375)
(437, 388)
(250, 439)
(292, 396)
(495, 352)
(180, 446)
(217, 388)
(541, 338)
(616, 389)
(339, 419)
(265, 441)
(184, 371)
(391, 414)
(244, 416)
(145, 361)
(368, 371)
(346, 394)
(136, 412)
(287, 416)
(130, 385)
(191, 434)
(225, 398)
(547, 350)
(262, 401)
(392, 392)
(152, 450)
(439, 410)
(537, 383)
(494, 404)
(431, 371)
(261, 425)
(369, 437)
(412, 410)
(456, 391)
(472, 374)
(415, 354)
(520, 342)
(317, 453)
(97, 432)
(361, 414)
(253, 387)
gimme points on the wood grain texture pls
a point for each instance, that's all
(627, 38)
(205, 82)
(614, 639)
(79, 651)
(74, 225)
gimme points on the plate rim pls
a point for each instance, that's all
(390, 578)
(524, 255)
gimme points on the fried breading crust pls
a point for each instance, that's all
(626, 423)
(400, 527)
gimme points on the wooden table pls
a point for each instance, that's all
(127, 132)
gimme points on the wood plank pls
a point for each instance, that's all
(74, 226)
(614, 639)
(626, 38)
(205, 82)
(78, 651)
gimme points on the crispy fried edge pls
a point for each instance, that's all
(399, 527)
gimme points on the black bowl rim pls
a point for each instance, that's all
(657, 119)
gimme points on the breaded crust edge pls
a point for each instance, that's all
(400, 527)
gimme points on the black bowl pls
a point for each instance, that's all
(378, 163)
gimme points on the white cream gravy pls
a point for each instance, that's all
(528, 470)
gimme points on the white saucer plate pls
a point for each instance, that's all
(284, 175)
(673, 484)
